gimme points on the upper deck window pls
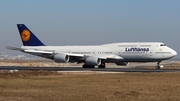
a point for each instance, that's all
(162, 45)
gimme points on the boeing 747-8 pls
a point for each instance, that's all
(95, 55)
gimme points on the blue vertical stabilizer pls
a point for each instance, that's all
(28, 38)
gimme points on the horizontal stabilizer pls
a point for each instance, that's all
(14, 48)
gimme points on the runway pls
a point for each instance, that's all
(80, 69)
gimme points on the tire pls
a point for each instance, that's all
(157, 67)
(88, 66)
(101, 66)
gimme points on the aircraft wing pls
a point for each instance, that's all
(29, 50)
(38, 51)
(32, 51)
(51, 53)
(111, 56)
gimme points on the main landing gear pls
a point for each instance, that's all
(158, 65)
(102, 65)
(88, 66)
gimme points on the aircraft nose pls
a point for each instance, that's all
(174, 53)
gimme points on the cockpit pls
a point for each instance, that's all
(162, 45)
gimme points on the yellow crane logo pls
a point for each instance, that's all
(25, 35)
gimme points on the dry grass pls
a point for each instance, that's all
(51, 86)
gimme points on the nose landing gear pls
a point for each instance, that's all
(158, 65)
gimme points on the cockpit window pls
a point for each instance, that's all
(162, 45)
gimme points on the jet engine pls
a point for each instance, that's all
(61, 58)
(93, 61)
(122, 63)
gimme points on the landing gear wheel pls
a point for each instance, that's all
(102, 65)
(88, 66)
(158, 67)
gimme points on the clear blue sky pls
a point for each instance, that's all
(80, 22)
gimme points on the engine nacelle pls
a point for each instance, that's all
(93, 61)
(61, 58)
(122, 63)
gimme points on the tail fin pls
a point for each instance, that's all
(27, 37)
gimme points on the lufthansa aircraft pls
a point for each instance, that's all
(95, 55)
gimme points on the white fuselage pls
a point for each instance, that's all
(130, 52)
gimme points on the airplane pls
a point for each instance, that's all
(95, 55)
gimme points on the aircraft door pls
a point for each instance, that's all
(161, 51)
(93, 52)
(150, 53)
